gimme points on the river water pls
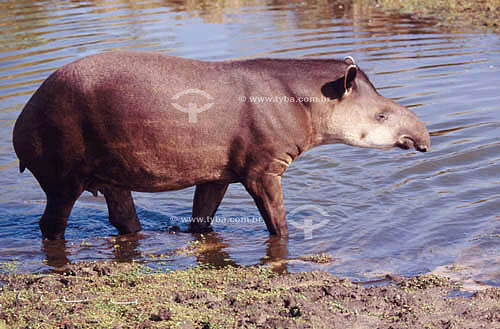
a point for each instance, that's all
(374, 212)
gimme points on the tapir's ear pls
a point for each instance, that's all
(343, 85)
(349, 76)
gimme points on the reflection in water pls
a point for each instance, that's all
(56, 253)
(211, 250)
(276, 253)
(393, 211)
(125, 247)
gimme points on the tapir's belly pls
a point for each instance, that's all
(142, 158)
(161, 168)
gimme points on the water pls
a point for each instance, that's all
(387, 212)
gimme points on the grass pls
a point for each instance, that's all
(480, 13)
(130, 294)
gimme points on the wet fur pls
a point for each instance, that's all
(105, 123)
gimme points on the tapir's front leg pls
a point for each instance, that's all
(267, 194)
(207, 198)
(121, 209)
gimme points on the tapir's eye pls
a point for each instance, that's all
(381, 116)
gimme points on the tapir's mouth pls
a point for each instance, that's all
(406, 142)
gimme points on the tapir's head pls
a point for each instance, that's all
(360, 116)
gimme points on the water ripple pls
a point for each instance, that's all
(388, 211)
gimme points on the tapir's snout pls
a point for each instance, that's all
(406, 142)
(415, 135)
(422, 148)
(412, 132)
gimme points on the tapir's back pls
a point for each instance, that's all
(114, 115)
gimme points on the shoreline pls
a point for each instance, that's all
(481, 14)
(130, 295)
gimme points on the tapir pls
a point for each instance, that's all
(125, 121)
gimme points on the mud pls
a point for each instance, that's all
(129, 295)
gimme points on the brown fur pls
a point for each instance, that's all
(106, 123)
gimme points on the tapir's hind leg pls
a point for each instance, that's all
(121, 209)
(207, 198)
(61, 197)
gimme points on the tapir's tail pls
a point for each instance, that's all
(22, 167)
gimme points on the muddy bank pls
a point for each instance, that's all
(124, 295)
(483, 14)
